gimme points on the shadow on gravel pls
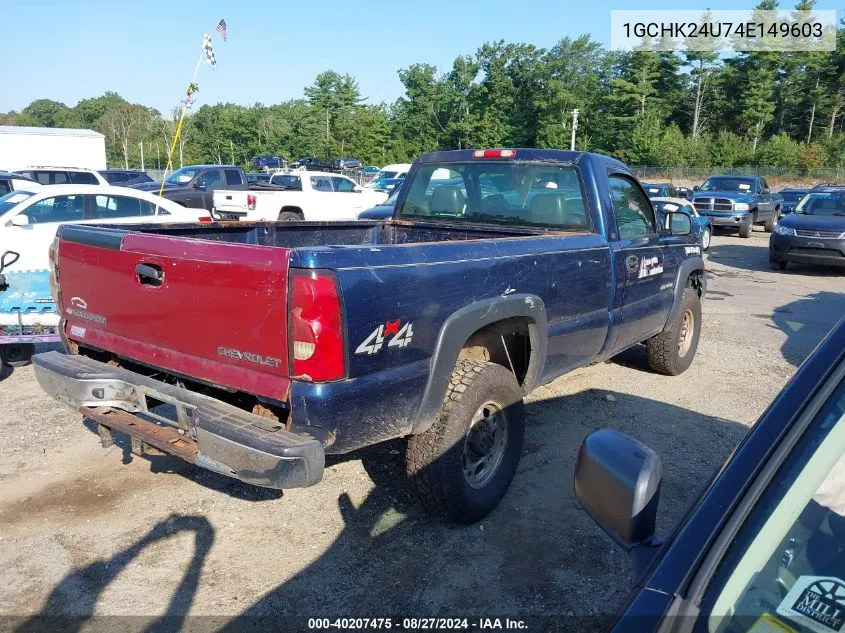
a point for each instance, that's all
(754, 255)
(72, 602)
(537, 554)
(806, 322)
(6, 371)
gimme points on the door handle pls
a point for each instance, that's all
(149, 274)
(632, 263)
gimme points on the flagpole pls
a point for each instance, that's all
(179, 125)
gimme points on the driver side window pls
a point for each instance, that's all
(209, 179)
(785, 570)
(634, 215)
(57, 209)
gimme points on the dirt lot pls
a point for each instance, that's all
(87, 531)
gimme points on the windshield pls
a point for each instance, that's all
(827, 203)
(792, 196)
(383, 175)
(520, 194)
(288, 181)
(13, 199)
(181, 176)
(742, 185)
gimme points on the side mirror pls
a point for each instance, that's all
(678, 223)
(695, 188)
(764, 190)
(617, 480)
(199, 186)
(21, 219)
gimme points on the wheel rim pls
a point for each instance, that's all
(705, 240)
(484, 444)
(687, 329)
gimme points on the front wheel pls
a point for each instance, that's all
(746, 228)
(705, 239)
(777, 264)
(671, 352)
(463, 464)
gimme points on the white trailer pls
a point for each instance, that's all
(36, 146)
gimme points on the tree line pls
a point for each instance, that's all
(668, 109)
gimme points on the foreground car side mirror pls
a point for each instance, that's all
(677, 223)
(695, 188)
(617, 481)
(21, 219)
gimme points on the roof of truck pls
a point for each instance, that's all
(559, 155)
(48, 131)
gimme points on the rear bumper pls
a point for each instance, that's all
(202, 430)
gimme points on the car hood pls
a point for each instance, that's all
(730, 195)
(155, 186)
(814, 222)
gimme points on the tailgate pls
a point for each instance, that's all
(230, 201)
(210, 310)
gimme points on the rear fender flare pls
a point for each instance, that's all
(687, 268)
(457, 330)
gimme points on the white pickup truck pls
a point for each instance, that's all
(295, 195)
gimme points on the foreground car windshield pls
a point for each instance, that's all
(13, 199)
(822, 204)
(181, 176)
(743, 185)
(523, 194)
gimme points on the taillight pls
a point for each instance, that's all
(315, 327)
(494, 153)
(206, 218)
(250, 202)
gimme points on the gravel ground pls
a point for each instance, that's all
(86, 531)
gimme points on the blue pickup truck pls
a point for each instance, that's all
(275, 344)
(738, 202)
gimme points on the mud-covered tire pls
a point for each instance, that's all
(769, 225)
(671, 352)
(18, 355)
(437, 459)
(289, 216)
(746, 228)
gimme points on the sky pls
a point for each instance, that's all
(69, 50)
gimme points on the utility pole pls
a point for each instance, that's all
(232, 151)
(141, 144)
(574, 127)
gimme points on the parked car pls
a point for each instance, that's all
(125, 177)
(259, 177)
(315, 339)
(761, 548)
(296, 195)
(738, 202)
(347, 163)
(814, 233)
(194, 185)
(388, 185)
(314, 164)
(15, 182)
(262, 163)
(790, 198)
(684, 192)
(370, 171)
(701, 227)
(383, 211)
(63, 175)
(29, 219)
(660, 190)
(399, 170)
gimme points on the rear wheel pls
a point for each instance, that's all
(463, 465)
(289, 216)
(671, 352)
(16, 355)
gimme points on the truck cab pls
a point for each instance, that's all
(194, 185)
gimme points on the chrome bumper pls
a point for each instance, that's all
(203, 430)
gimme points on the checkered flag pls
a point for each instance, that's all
(209, 51)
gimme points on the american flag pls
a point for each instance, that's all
(221, 28)
(209, 52)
